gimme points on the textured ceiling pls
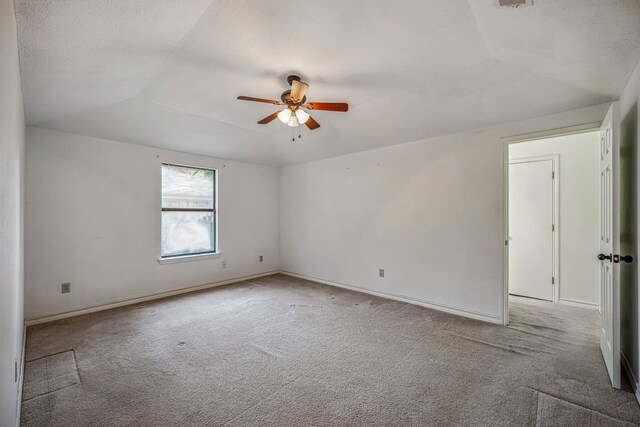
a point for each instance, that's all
(166, 73)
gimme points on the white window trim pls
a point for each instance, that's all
(192, 257)
(186, 258)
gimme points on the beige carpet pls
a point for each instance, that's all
(279, 351)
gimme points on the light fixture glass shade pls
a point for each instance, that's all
(293, 121)
(302, 116)
(284, 115)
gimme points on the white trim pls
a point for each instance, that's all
(21, 377)
(577, 303)
(415, 301)
(36, 320)
(186, 258)
(555, 208)
(632, 377)
(553, 133)
(504, 295)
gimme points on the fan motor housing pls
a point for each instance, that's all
(286, 98)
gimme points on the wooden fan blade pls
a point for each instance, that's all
(298, 90)
(268, 118)
(328, 106)
(312, 124)
(266, 101)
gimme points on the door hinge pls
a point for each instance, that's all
(553, 175)
(553, 280)
(553, 227)
(506, 243)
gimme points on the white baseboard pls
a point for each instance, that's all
(452, 310)
(58, 316)
(632, 377)
(21, 375)
(576, 303)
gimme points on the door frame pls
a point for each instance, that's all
(506, 142)
(555, 212)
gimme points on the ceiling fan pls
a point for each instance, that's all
(295, 100)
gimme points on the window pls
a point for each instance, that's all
(188, 211)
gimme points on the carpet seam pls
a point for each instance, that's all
(49, 392)
(577, 404)
(50, 355)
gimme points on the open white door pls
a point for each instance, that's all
(610, 246)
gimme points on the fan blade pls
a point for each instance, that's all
(298, 90)
(268, 118)
(328, 106)
(312, 124)
(266, 101)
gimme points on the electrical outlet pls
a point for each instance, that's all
(381, 272)
(224, 264)
(261, 258)
(65, 288)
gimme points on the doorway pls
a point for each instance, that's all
(553, 218)
(615, 229)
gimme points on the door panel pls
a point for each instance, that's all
(609, 246)
(530, 229)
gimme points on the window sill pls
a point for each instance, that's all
(185, 258)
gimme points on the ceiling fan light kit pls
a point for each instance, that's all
(295, 101)
(284, 115)
(293, 121)
(302, 116)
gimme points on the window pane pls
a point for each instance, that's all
(187, 233)
(184, 187)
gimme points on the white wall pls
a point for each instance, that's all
(579, 210)
(429, 212)
(93, 219)
(11, 215)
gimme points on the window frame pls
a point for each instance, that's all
(163, 259)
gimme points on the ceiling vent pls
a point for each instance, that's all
(512, 3)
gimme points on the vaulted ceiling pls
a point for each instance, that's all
(166, 73)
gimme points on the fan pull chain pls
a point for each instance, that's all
(293, 134)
